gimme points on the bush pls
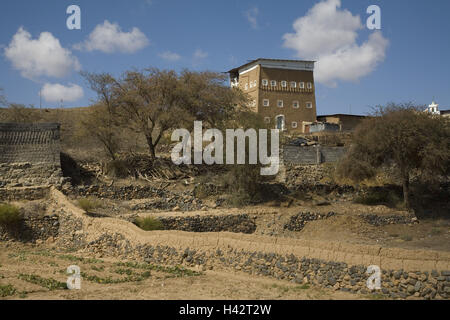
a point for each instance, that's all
(89, 204)
(380, 197)
(117, 168)
(149, 224)
(9, 215)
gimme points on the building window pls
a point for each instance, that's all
(251, 84)
(254, 83)
(246, 86)
(294, 124)
(302, 85)
(265, 82)
(267, 119)
(309, 85)
(284, 84)
(293, 84)
(279, 122)
(280, 103)
(295, 104)
(266, 102)
(273, 83)
(309, 105)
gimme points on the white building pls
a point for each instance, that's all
(433, 108)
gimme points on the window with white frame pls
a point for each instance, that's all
(302, 85)
(283, 84)
(267, 119)
(294, 124)
(265, 82)
(293, 84)
(295, 104)
(246, 86)
(280, 103)
(254, 83)
(273, 83)
(309, 85)
(309, 105)
(266, 102)
(251, 84)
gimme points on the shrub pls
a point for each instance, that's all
(88, 204)
(7, 290)
(117, 168)
(9, 215)
(149, 224)
(380, 197)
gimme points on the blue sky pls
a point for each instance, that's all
(407, 60)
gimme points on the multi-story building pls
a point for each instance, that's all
(282, 91)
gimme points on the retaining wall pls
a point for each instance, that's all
(312, 154)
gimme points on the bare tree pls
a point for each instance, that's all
(101, 121)
(3, 101)
(402, 136)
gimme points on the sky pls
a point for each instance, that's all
(407, 60)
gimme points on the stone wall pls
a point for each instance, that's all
(31, 229)
(29, 155)
(329, 273)
(312, 154)
(298, 221)
(241, 223)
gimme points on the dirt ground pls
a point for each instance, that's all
(39, 272)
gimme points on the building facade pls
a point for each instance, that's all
(281, 91)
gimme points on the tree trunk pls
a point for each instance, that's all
(406, 190)
(151, 147)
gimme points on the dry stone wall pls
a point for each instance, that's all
(29, 155)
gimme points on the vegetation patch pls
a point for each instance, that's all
(50, 284)
(7, 290)
(89, 205)
(109, 280)
(149, 224)
(177, 271)
(9, 215)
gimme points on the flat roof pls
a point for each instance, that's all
(266, 59)
(342, 114)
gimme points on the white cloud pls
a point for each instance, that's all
(200, 54)
(109, 37)
(40, 57)
(252, 17)
(170, 56)
(57, 92)
(328, 34)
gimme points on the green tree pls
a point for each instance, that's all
(150, 103)
(402, 136)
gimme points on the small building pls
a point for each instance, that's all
(346, 122)
(324, 127)
(282, 91)
(433, 108)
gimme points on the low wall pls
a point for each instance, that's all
(27, 193)
(240, 223)
(312, 154)
(31, 229)
(298, 221)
